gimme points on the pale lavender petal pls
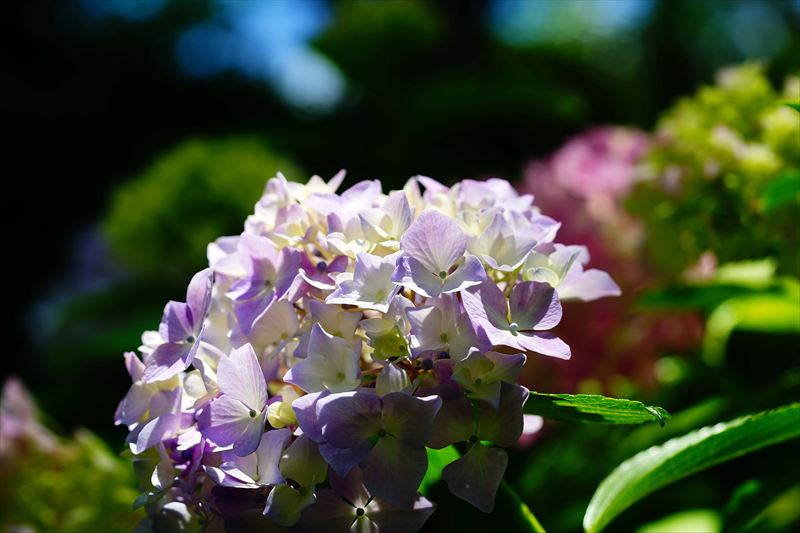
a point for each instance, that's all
(591, 285)
(393, 471)
(542, 342)
(239, 376)
(165, 408)
(134, 405)
(176, 323)
(470, 273)
(168, 360)
(435, 240)
(198, 296)
(269, 454)
(413, 275)
(486, 305)
(228, 421)
(477, 476)
(534, 305)
(305, 409)
(134, 365)
(408, 418)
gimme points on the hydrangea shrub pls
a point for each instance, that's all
(338, 337)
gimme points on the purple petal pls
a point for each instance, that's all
(503, 425)
(329, 513)
(349, 418)
(393, 471)
(477, 476)
(408, 418)
(342, 460)
(534, 305)
(239, 376)
(393, 520)
(454, 423)
(470, 273)
(435, 240)
(176, 323)
(350, 487)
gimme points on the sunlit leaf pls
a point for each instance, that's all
(678, 458)
(767, 313)
(437, 460)
(692, 521)
(593, 408)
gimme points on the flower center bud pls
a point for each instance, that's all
(340, 375)
(514, 328)
(443, 337)
(321, 266)
(427, 364)
(442, 274)
(478, 382)
(253, 413)
(267, 283)
(359, 512)
(190, 339)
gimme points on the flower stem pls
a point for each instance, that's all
(524, 512)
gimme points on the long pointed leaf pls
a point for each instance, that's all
(593, 408)
(678, 458)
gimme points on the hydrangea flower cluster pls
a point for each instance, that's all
(338, 337)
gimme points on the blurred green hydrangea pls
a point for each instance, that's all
(722, 176)
(51, 483)
(161, 221)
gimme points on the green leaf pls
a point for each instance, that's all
(766, 313)
(593, 408)
(524, 512)
(437, 460)
(749, 501)
(692, 521)
(678, 458)
(793, 105)
(785, 190)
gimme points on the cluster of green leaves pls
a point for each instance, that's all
(725, 175)
(80, 486)
(160, 222)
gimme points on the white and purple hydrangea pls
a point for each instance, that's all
(340, 337)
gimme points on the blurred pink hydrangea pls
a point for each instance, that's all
(584, 184)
